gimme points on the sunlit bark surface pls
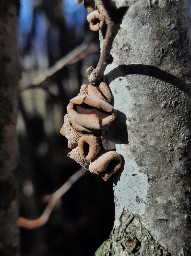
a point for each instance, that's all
(150, 78)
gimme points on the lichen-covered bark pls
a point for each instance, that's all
(150, 78)
(131, 238)
(9, 74)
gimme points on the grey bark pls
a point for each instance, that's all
(9, 75)
(150, 78)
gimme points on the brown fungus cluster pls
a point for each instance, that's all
(96, 18)
(91, 109)
(88, 113)
(106, 17)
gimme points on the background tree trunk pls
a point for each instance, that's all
(151, 82)
(9, 75)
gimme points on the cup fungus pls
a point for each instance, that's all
(76, 156)
(104, 89)
(96, 19)
(84, 89)
(101, 91)
(70, 133)
(106, 164)
(89, 147)
(90, 113)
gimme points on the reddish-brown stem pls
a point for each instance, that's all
(36, 223)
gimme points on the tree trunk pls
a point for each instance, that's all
(151, 82)
(9, 75)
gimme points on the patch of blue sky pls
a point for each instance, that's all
(25, 18)
(75, 14)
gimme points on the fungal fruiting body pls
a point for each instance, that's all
(70, 133)
(88, 113)
(91, 110)
(106, 164)
(96, 19)
(106, 16)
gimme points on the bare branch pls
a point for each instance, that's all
(47, 74)
(36, 223)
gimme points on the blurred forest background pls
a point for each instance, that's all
(83, 219)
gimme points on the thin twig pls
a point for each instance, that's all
(47, 74)
(32, 224)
